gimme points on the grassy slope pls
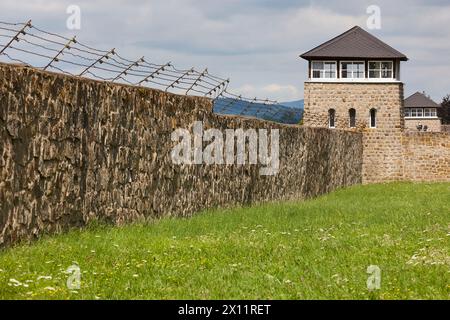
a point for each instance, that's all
(300, 250)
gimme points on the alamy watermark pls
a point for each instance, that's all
(73, 22)
(239, 147)
(374, 279)
(374, 19)
(74, 280)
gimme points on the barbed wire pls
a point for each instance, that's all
(26, 44)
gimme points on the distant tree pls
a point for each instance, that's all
(445, 110)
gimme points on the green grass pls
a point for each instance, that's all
(317, 249)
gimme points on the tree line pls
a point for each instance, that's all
(445, 110)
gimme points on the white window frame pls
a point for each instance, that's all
(323, 61)
(420, 113)
(380, 70)
(352, 62)
(433, 112)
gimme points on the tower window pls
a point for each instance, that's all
(352, 69)
(381, 69)
(373, 118)
(420, 112)
(352, 118)
(323, 70)
(331, 118)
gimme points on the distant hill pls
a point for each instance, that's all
(281, 113)
(299, 104)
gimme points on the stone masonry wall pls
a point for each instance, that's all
(382, 158)
(391, 152)
(434, 125)
(426, 156)
(73, 150)
(445, 128)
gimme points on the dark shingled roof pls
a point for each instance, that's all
(419, 100)
(354, 43)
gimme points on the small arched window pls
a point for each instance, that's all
(331, 118)
(352, 118)
(373, 118)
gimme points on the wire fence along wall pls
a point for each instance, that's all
(262, 109)
(24, 42)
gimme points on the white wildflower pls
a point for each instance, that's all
(15, 283)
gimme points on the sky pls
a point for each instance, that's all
(255, 43)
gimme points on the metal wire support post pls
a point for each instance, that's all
(177, 81)
(55, 58)
(224, 84)
(16, 36)
(99, 60)
(124, 72)
(199, 79)
(154, 73)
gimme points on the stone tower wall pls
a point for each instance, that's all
(382, 155)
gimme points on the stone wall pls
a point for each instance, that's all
(73, 150)
(382, 159)
(445, 128)
(391, 152)
(434, 125)
(426, 156)
(384, 97)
